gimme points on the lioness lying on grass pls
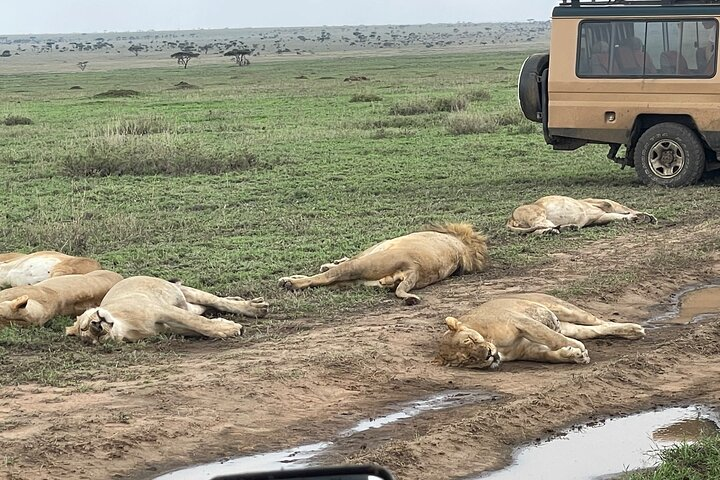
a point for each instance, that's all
(17, 269)
(556, 213)
(405, 263)
(35, 305)
(530, 326)
(140, 307)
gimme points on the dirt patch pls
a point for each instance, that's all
(184, 86)
(117, 94)
(217, 399)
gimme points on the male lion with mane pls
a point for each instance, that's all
(141, 307)
(525, 326)
(405, 263)
(17, 269)
(555, 213)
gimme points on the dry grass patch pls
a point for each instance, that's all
(477, 95)
(466, 123)
(166, 154)
(424, 105)
(117, 93)
(365, 97)
(401, 122)
(12, 120)
(78, 233)
(136, 126)
(511, 116)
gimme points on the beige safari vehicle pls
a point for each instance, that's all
(635, 73)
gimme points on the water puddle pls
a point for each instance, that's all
(692, 304)
(303, 455)
(611, 447)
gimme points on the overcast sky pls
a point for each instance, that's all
(68, 16)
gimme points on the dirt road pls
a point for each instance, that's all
(315, 377)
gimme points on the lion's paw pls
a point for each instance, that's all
(643, 217)
(575, 355)
(259, 306)
(290, 283)
(411, 300)
(225, 328)
(632, 331)
(569, 228)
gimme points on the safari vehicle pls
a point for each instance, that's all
(642, 74)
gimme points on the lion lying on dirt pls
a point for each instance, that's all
(17, 269)
(555, 213)
(405, 263)
(140, 307)
(35, 305)
(525, 326)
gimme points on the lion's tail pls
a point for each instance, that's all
(516, 226)
(476, 243)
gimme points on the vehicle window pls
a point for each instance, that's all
(647, 49)
(594, 53)
(628, 50)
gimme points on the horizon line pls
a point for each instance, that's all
(265, 27)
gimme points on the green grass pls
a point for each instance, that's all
(686, 461)
(257, 175)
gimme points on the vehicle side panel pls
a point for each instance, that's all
(582, 107)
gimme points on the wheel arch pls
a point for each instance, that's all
(645, 121)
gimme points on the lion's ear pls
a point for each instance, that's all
(19, 302)
(453, 324)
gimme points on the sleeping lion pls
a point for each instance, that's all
(525, 326)
(35, 305)
(141, 307)
(405, 263)
(555, 213)
(18, 269)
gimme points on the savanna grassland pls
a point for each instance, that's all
(241, 175)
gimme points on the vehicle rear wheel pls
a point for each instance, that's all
(669, 154)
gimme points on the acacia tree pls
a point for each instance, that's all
(184, 57)
(136, 49)
(240, 55)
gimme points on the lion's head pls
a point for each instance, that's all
(475, 258)
(18, 311)
(461, 346)
(93, 326)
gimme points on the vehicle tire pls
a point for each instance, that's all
(669, 154)
(529, 89)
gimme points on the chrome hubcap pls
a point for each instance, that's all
(666, 159)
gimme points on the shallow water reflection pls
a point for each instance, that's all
(615, 446)
(692, 305)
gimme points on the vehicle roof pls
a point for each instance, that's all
(636, 8)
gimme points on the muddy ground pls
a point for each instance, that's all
(219, 399)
